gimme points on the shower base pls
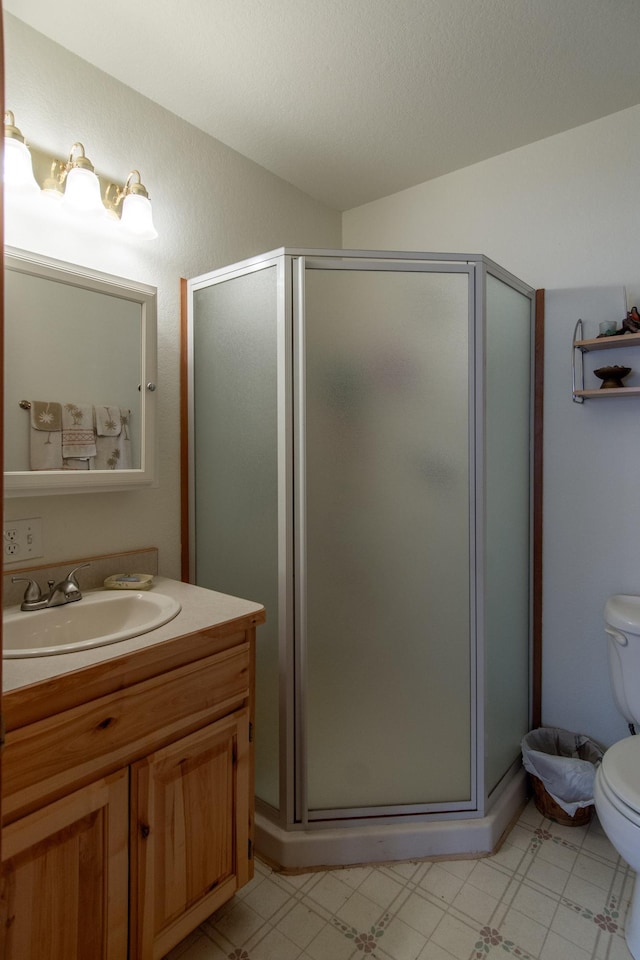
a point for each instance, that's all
(382, 842)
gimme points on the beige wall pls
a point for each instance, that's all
(559, 213)
(211, 207)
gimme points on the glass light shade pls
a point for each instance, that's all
(18, 170)
(52, 195)
(82, 192)
(137, 216)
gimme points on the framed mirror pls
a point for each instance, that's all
(80, 378)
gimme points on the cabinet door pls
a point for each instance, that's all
(191, 824)
(64, 881)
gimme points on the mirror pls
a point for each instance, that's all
(80, 374)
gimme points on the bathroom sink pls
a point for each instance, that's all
(101, 617)
(622, 612)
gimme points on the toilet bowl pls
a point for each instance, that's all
(617, 784)
(617, 800)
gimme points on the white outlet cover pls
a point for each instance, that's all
(22, 540)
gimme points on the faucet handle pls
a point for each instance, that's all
(71, 577)
(33, 593)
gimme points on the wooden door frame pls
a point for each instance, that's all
(185, 566)
(2, 102)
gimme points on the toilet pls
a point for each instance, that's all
(617, 783)
(617, 798)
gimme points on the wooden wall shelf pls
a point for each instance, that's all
(608, 343)
(601, 394)
(581, 346)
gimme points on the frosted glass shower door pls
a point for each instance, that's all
(237, 448)
(507, 548)
(385, 623)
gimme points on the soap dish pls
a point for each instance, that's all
(129, 581)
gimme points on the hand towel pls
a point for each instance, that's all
(78, 432)
(125, 420)
(108, 421)
(46, 415)
(45, 436)
(114, 452)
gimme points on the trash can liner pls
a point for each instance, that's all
(565, 763)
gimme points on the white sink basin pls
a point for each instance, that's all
(101, 617)
(622, 612)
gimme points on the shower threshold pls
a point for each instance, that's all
(297, 850)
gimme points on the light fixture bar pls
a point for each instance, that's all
(75, 183)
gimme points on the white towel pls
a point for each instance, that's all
(45, 450)
(108, 421)
(114, 452)
(78, 432)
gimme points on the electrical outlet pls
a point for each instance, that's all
(22, 540)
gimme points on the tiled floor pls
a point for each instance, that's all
(550, 893)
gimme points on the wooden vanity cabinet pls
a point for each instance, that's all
(128, 815)
(189, 833)
(65, 877)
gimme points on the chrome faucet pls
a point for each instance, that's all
(66, 591)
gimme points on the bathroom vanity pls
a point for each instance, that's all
(128, 786)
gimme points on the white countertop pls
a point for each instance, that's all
(201, 608)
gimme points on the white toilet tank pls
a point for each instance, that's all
(622, 624)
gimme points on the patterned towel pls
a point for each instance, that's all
(78, 432)
(114, 452)
(46, 415)
(45, 436)
(108, 421)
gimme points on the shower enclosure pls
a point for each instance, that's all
(360, 427)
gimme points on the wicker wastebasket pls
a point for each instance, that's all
(561, 766)
(553, 811)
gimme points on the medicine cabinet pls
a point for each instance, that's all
(80, 352)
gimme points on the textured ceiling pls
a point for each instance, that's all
(352, 100)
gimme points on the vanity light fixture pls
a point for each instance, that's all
(133, 204)
(18, 168)
(75, 184)
(52, 188)
(81, 185)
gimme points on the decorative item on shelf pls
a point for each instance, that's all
(74, 183)
(612, 377)
(631, 323)
(608, 328)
